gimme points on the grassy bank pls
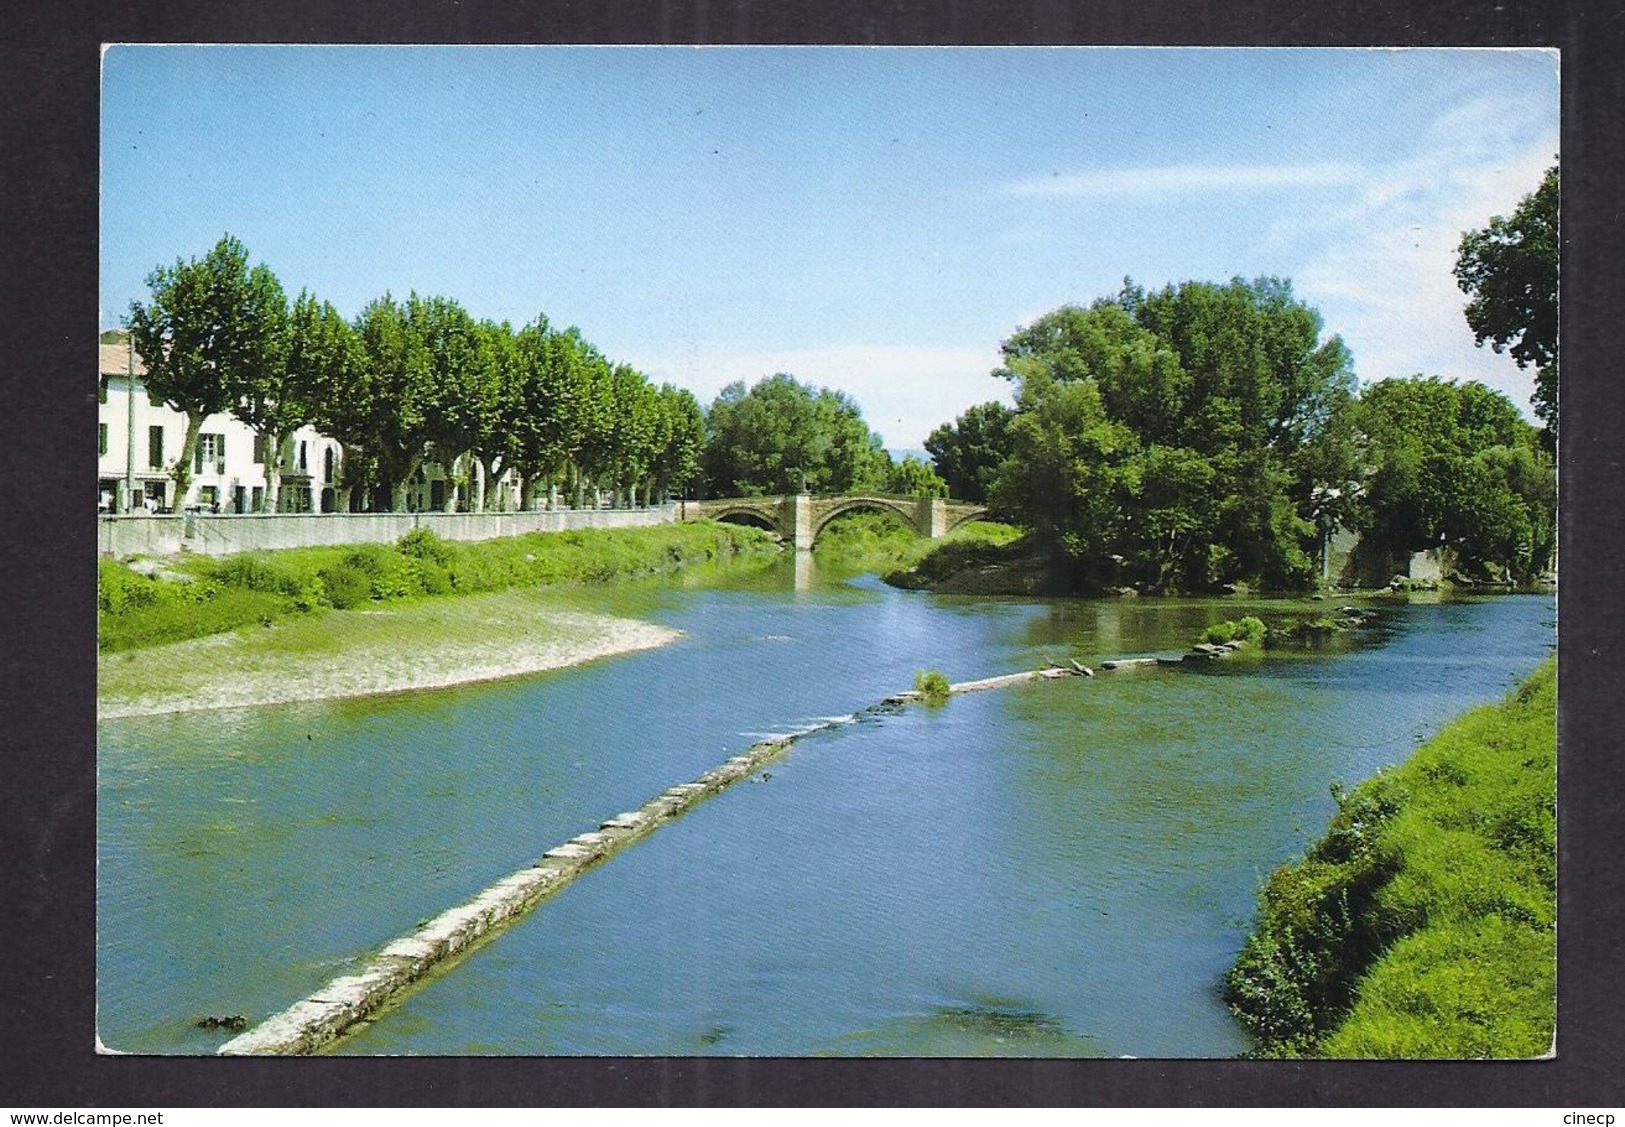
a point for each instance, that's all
(1423, 923)
(199, 596)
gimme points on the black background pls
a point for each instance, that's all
(49, 89)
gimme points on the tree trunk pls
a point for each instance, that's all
(398, 488)
(183, 467)
(478, 479)
(577, 485)
(273, 471)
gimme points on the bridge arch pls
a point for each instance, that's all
(963, 514)
(757, 515)
(906, 511)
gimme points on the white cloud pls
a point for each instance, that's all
(905, 391)
(1102, 183)
(1381, 268)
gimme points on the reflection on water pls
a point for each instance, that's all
(1056, 869)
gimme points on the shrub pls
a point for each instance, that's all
(1249, 629)
(423, 544)
(932, 685)
(347, 585)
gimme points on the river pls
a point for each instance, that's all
(1060, 868)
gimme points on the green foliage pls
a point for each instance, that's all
(136, 611)
(1455, 465)
(1249, 629)
(972, 546)
(864, 540)
(913, 478)
(1509, 270)
(1178, 439)
(968, 451)
(262, 587)
(1422, 923)
(932, 685)
(211, 334)
(783, 436)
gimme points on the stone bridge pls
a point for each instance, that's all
(800, 517)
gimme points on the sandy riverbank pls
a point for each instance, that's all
(430, 644)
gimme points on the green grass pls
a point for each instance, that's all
(258, 588)
(1423, 923)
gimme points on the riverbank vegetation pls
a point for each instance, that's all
(195, 596)
(932, 685)
(875, 541)
(1204, 437)
(1423, 923)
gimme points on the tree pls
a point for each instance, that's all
(968, 451)
(635, 434)
(210, 329)
(783, 436)
(548, 379)
(677, 464)
(1068, 473)
(278, 398)
(1509, 271)
(341, 394)
(495, 408)
(456, 381)
(398, 375)
(1456, 467)
(913, 478)
(1216, 405)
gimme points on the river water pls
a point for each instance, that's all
(1060, 868)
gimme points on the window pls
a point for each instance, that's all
(259, 449)
(304, 465)
(102, 433)
(211, 453)
(155, 448)
(257, 499)
(328, 460)
(101, 391)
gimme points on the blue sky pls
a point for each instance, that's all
(875, 220)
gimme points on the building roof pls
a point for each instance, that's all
(115, 361)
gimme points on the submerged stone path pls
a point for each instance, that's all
(314, 1023)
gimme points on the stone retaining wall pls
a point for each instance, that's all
(121, 537)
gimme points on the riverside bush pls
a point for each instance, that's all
(932, 685)
(1248, 629)
(1422, 923)
(261, 587)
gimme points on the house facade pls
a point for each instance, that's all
(139, 441)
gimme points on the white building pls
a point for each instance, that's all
(139, 442)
